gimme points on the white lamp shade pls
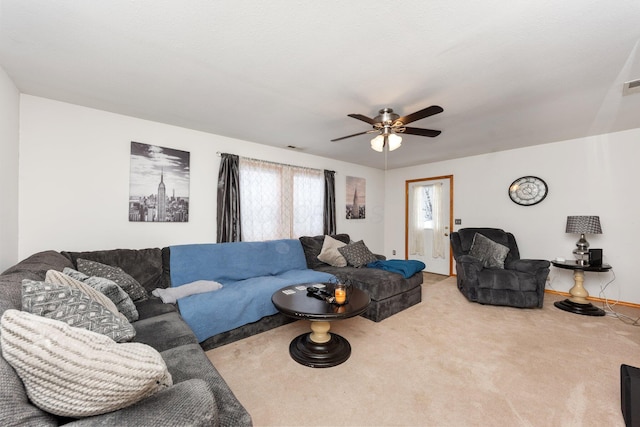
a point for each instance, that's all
(395, 141)
(377, 143)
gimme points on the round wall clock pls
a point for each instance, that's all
(528, 190)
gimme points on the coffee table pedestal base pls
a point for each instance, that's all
(319, 348)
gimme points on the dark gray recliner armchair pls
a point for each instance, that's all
(519, 284)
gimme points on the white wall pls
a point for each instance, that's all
(9, 140)
(74, 180)
(587, 176)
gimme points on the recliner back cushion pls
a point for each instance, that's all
(495, 234)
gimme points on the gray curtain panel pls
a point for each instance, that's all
(229, 228)
(329, 202)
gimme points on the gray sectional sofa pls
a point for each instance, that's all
(390, 292)
(199, 395)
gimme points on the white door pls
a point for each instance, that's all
(427, 231)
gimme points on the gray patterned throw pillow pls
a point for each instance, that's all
(491, 254)
(115, 274)
(114, 292)
(357, 254)
(75, 308)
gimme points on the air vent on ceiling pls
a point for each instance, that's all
(631, 87)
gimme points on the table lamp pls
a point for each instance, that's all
(583, 224)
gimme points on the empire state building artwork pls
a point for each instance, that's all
(356, 198)
(158, 184)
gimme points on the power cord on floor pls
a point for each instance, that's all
(608, 307)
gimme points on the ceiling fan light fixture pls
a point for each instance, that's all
(395, 141)
(377, 143)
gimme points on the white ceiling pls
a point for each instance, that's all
(508, 73)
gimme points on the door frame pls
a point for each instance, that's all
(406, 213)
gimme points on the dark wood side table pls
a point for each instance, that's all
(319, 348)
(578, 303)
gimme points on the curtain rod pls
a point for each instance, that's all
(219, 154)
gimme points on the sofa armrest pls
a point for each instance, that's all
(187, 403)
(528, 265)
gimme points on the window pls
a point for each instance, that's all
(280, 201)
(426, 207)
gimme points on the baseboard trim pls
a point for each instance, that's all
(590, 298)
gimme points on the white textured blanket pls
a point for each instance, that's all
(172, 295)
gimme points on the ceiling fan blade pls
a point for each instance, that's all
(425, 112)
(422, 132)
(363, 118)
(355, 134)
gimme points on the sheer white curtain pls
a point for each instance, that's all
(416, 221)
(438, 222)
(280, 201)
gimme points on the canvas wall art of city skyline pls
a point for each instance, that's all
(158, 184)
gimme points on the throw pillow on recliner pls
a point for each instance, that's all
(491, 254)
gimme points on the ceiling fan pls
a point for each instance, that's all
(388, 125)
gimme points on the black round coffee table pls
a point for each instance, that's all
(319, 348)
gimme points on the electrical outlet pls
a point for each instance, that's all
(393, 252)
(458, 221)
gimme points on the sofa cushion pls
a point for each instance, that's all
(225, 262)
(165, 331)
(16, 409)
(241, 302)
(189, 361)
(112, 291)
(115, 274)
(75, 308)
(153, 307)
(330, 254)
(51, 359)
(491, 254)
(34, 267)
(312, 246)
(144, 265)
(186, 404)
(357, 254)
(379, 284)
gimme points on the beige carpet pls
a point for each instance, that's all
(444, 362)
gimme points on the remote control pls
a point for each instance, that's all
(320, 294)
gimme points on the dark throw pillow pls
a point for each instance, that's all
(115, 274)
(491, 254)
(357, 254)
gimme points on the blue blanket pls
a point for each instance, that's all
(402, 266)
(250, 273)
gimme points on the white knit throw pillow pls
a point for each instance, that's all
(330, 254)
(58, 277)
(73, 372)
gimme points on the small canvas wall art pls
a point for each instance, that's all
(158, 184)
(356, 197)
